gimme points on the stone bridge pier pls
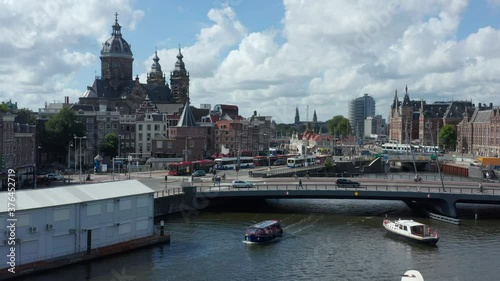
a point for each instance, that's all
(442, 204)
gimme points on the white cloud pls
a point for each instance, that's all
(335, 51)
(42, 42)
(327, 53)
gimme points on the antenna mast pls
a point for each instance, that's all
(307, 116)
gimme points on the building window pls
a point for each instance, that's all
(191, 143)
(140, 127)
(140, 136)
(148, 137)
(157, 127)
(159, 144)
(169, 144)
(149, 127)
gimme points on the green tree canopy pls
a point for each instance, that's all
(4, 107)
(110, 145)
(448, 136)
(60, 130)
(27, 114)
(328, 163)
(339, 125)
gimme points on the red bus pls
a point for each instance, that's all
(260, 161)
(187, 168)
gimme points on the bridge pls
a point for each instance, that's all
(430, 197)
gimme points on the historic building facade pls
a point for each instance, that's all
(116, 102)
(120, 91)
(478, 133)
(419, 123)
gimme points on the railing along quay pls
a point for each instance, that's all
(168, 192)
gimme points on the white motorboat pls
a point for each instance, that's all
(412, 230)
(412, 275)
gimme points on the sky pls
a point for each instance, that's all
(268, 56)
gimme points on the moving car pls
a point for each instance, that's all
(54, 177)
(279, 162)
(347, 183)
(241, 183)
(199, 173)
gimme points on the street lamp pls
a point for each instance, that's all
(79, 155)
(268, 136)
(186, 149)
(69, 154)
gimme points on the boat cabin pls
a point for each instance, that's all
(264, 231)
(414, 228)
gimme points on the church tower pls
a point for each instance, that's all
(297, 117)
(155, 75)
(116, 58)
(179, 81)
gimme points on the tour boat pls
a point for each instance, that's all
(412, 230)
(263, 232)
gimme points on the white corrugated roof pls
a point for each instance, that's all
(70, 194)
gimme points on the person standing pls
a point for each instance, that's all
(480, 187)
(300, 184)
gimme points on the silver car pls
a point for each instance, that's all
(241, 183)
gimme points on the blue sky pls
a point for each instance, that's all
(269, 56)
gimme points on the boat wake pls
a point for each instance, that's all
(302, 225)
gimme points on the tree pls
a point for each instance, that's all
(448, 136)
(27, 115)
(59, 131)
(328, 164)
(339, 125)
(110, 145)
(4, 107)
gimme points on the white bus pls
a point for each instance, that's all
(429, 149)
(396, 148)
(301, 161)
(230, 163)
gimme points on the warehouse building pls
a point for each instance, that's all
(73, 222)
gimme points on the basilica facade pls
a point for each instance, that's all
(117, 90)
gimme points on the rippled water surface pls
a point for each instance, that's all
(323, 240)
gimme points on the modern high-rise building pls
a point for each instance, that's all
(359, 109)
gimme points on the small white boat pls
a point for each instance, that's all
(412, 230)
(412, 275)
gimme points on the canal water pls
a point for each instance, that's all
(323, 240)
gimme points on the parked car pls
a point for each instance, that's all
(347, 183)
(279, 162)
(54, 177)
(241, 183)
(199, 173)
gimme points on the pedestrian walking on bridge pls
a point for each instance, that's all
(300, 184)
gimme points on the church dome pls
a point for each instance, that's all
(116, 46)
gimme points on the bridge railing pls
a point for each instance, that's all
(168, 192)
(410, 176)
(286, 170)
(375, 187)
